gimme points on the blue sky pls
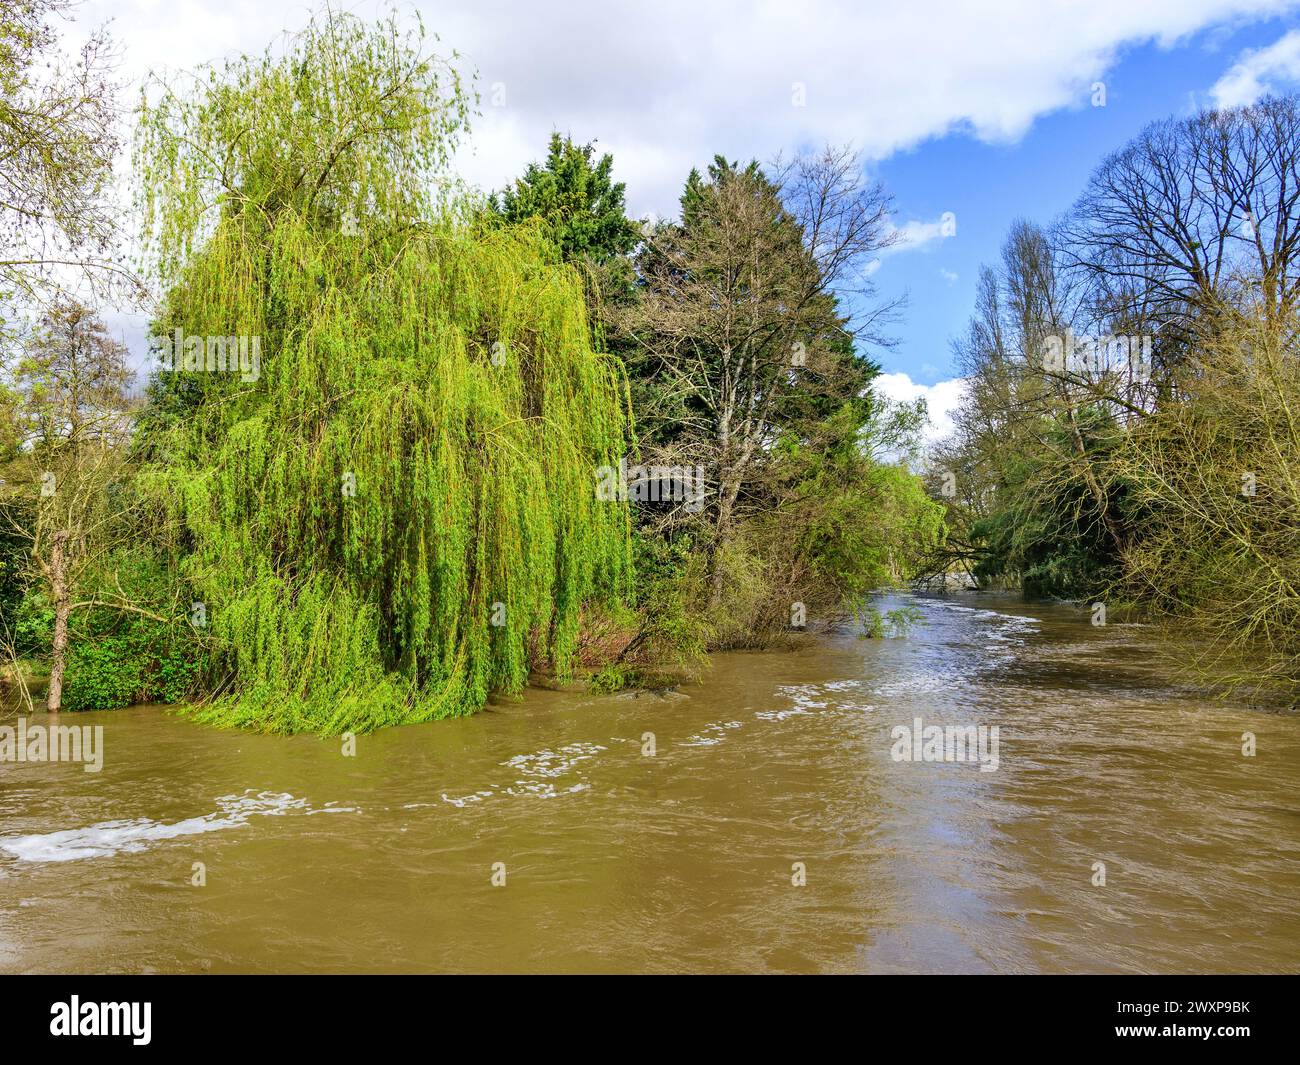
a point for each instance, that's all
(987, 186)
(981, 110)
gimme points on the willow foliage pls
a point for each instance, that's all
(1216, 473)
(398, 515)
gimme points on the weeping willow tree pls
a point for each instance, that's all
(390, 513)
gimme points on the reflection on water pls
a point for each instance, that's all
(683, 861)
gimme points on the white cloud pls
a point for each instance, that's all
(913, 235)
(665, 91)
(1256, 72)
(941, 400)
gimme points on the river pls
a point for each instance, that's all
(771, 829)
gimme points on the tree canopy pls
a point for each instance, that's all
(396, 517)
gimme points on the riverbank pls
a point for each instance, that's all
(634, 832)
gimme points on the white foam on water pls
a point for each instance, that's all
(461, 802)
(806, 697)
(781, 715)
(979, 611)
(718, 729)
(330, 808)
(548, 763)
(541, 768)
(132, 836)
(544, 789)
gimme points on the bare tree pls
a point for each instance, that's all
(1194, 215)
(80, 512)
(72, 379)
(739, 319)
(57, 144)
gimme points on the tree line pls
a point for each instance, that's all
(1129, 435)
(396, 515)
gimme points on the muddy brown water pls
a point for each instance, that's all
(618, 861)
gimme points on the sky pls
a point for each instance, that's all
(972, 115)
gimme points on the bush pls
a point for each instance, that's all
(1215, 472)
(144, 661)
